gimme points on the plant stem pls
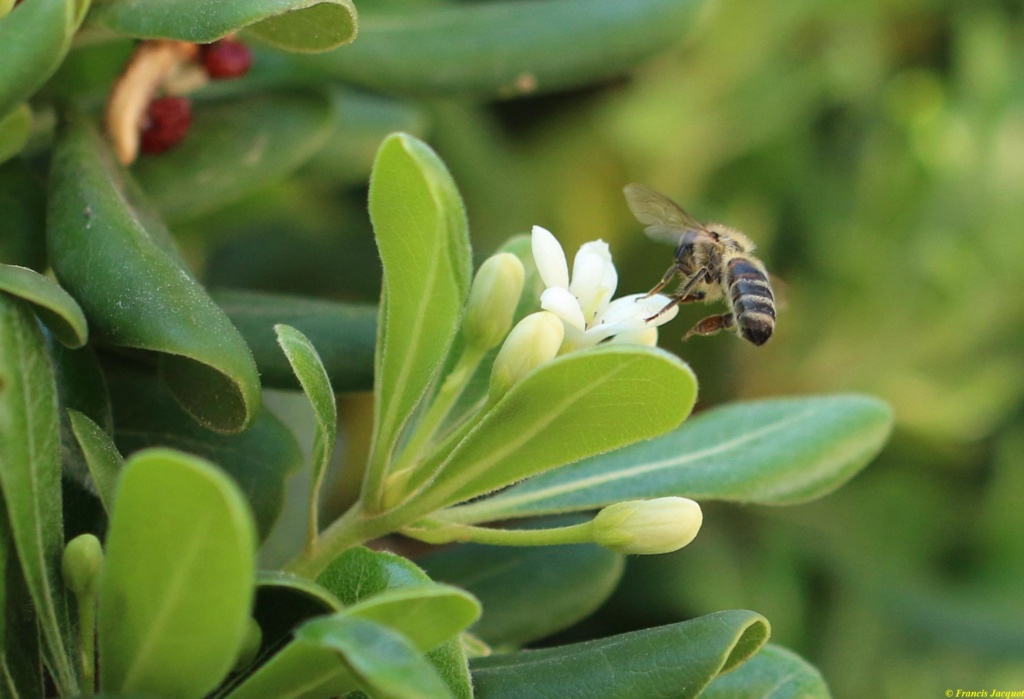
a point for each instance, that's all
(322, 453)
(454, 384)
(351, 529)
(423, 436)
(437, 532)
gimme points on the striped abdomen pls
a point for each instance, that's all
(750, 296)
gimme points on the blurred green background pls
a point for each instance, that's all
(875, 153)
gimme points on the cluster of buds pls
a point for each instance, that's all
(147, 109)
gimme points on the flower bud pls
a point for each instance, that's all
(661, 525)
(492, 300)
(81, 563)
(534, 341)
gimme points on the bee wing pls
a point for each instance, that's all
(666, 221)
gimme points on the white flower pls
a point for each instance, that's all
(585, 304)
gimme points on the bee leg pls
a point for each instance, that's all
(681, 296)
(664, 280)
(712, 325)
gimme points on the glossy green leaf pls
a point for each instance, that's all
(778, 452)
(774, 673)
(668, 662)
(21, 665)
(421, 232)
(177, 582)
(326, 661)
(30, 476)
(297, 25)
(505, 48)
(387, 664)
(116, 258)
(235, 147)
(101, 456)
(360, 573)
(424, 615)
(53, 305)
(427, 615)
(14, 131)
(23, 225)
(259, 459)
(362, 121)
(283, 602)
(301, 670)
(33, 40)
(531, 592)
(578, 405)
(343, 333)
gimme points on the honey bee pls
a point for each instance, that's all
(714, 261)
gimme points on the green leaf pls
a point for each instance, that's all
(344, 334)
(777, 452)
(774, 673)
(386, 663)
(360, 573)
(668, 662)
(177, 582)
(284, 601)
(423, 615)
(33, 40)
(21, 667)
(420, 226)
(531, 592)
(578, 405)
(296, 25)
(116, 258)
(259, 459)
(319, 27)
(53, 305)
(15, 128)
(82, 387)
(505, 48)
(235, 147)
(426, 614)
(101, 455)
(23, 225)
(306, 364)
(335, 655)
(30, 476)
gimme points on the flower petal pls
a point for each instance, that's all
(639, 307)
(593, 278)
(550, 258)
(564, 305)
(645, 336)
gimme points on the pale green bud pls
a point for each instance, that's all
(492, 300)
(534, 341)
(81, 563)
(661, 525)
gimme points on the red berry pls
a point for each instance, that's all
(168, 119)
(227, 58)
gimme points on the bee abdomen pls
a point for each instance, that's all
(752, 301)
